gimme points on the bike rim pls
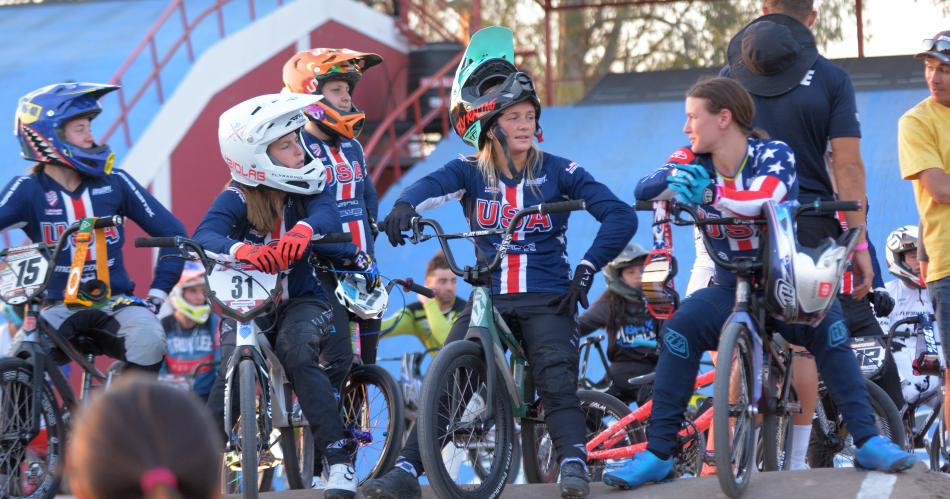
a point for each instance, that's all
(367, 417)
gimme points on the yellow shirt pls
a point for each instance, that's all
(923, 140)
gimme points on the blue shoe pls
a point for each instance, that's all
(644, 468)
(880, 454)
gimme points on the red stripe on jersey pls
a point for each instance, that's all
(346, 189)
(744, 244)
(769, 184)
(354, 228)
(514, 270)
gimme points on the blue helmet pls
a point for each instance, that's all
(41, 116)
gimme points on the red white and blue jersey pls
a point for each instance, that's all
(44, 209)
(348, 179)
(537, 257)
(225, 226)
(767, 172)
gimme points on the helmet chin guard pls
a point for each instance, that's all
(352, 293)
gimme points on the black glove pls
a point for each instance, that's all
(398, 221)
(882, 301)
(373, 228)
(576, 292)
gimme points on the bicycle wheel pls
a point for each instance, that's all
(480, 458)
(296, 445)
(447, 421)
(774, 448)
(834, 446)
(733, 418)
(540, 459)
(248, 436)
(28, 469)
(372, 410)
(937, 450)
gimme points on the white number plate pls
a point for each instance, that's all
(21, 275)
(240, 289)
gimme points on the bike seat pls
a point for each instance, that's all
(643, 379)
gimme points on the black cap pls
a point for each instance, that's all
(931, 48)
(772, 54)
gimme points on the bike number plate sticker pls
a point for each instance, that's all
(21, 274)
(869, 353)
(239, 288)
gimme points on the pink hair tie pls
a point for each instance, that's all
(155, 477)
(861, 247)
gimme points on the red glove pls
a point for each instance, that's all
(294, 242)
(263, 258)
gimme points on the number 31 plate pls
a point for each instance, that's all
(240, 289)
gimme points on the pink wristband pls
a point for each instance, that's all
(861, 247)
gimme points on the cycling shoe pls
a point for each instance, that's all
(342, 482)
(644, 468)
(395, 484)
(574, 481)
(880, 454)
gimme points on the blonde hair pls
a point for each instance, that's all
(485, 162)
(265, 206)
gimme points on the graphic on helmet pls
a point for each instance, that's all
(307, 72)
(486, 83)
(245, 131)
(192, 276)
(351, 292)
(801, 283)
(899, 242)
(41, 117)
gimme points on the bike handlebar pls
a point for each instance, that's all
(409, 285)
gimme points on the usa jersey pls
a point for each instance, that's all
(225, 225)
(537, 257)
(348, 179)
(44, 209)
(767, 172)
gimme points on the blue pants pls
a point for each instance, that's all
(695, 329)
(940, 295)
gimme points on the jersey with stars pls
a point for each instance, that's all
(766, 172)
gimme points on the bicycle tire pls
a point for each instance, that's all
(734, 343)
(937, 450)
(539, 459)
(840, 452)
(443, 373)
(296, 445)
(248, 393)
(356, 393)
(774, 451)
(16, 378)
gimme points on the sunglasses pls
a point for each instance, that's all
(941, 45)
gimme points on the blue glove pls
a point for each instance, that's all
(691, 184)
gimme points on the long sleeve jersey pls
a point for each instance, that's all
(225, 227)
(348, 180)
(537, 257)
(43, 209)
(767, 172)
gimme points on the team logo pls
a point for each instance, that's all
(571, 167)
(316, 149)
(676, 344)
(52, 198)
(682, 156)
(824, 289)
(837, 334)
(357, 168)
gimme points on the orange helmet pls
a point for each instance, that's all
(307, 71)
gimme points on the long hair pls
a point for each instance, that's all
(725, 93)
(265, 206)
(138, 430)
(485, 162)
(616, 314)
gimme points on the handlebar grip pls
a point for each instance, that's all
(830, 207)
(559, 206)
(156, 242)
(417, 288)
(113, 221)
(335, 237)
(643, 205)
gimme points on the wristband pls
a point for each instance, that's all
(861, 247)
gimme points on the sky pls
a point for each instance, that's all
(896, 27)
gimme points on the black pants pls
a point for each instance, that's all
(620, 373)
(302, 336)
(550, 341)
(858, 314)
(342, 317)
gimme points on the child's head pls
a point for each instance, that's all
(142, 439)
(624, 274)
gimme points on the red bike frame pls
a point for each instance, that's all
(615, 433)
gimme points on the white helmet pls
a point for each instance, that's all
(192, 275)
(902, 240)
(351, 292)
(245, 131)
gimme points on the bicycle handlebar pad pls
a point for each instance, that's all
(559, 206)
(335, 237)
(830, 207)
(156, 242)
(113, 221)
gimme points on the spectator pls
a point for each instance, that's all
(191, 332)
(923, 140)
(807, 102)
(143, 439)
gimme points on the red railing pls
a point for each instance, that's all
(395, 144)
(159, 63)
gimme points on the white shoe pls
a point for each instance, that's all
(317, 483)
(342, 482)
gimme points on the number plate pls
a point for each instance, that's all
(869, 353)
(240, 289)
(21, 274)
